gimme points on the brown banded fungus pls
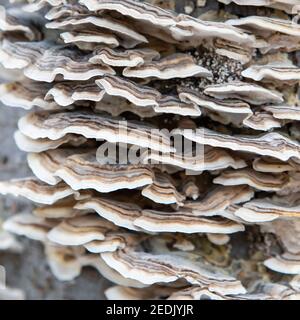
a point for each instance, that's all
(108, 79)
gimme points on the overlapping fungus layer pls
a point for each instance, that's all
(223, 223)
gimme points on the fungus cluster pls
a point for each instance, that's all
(128, 75)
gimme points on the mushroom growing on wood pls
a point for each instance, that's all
(159, 143)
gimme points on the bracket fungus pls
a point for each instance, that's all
(155, 138)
